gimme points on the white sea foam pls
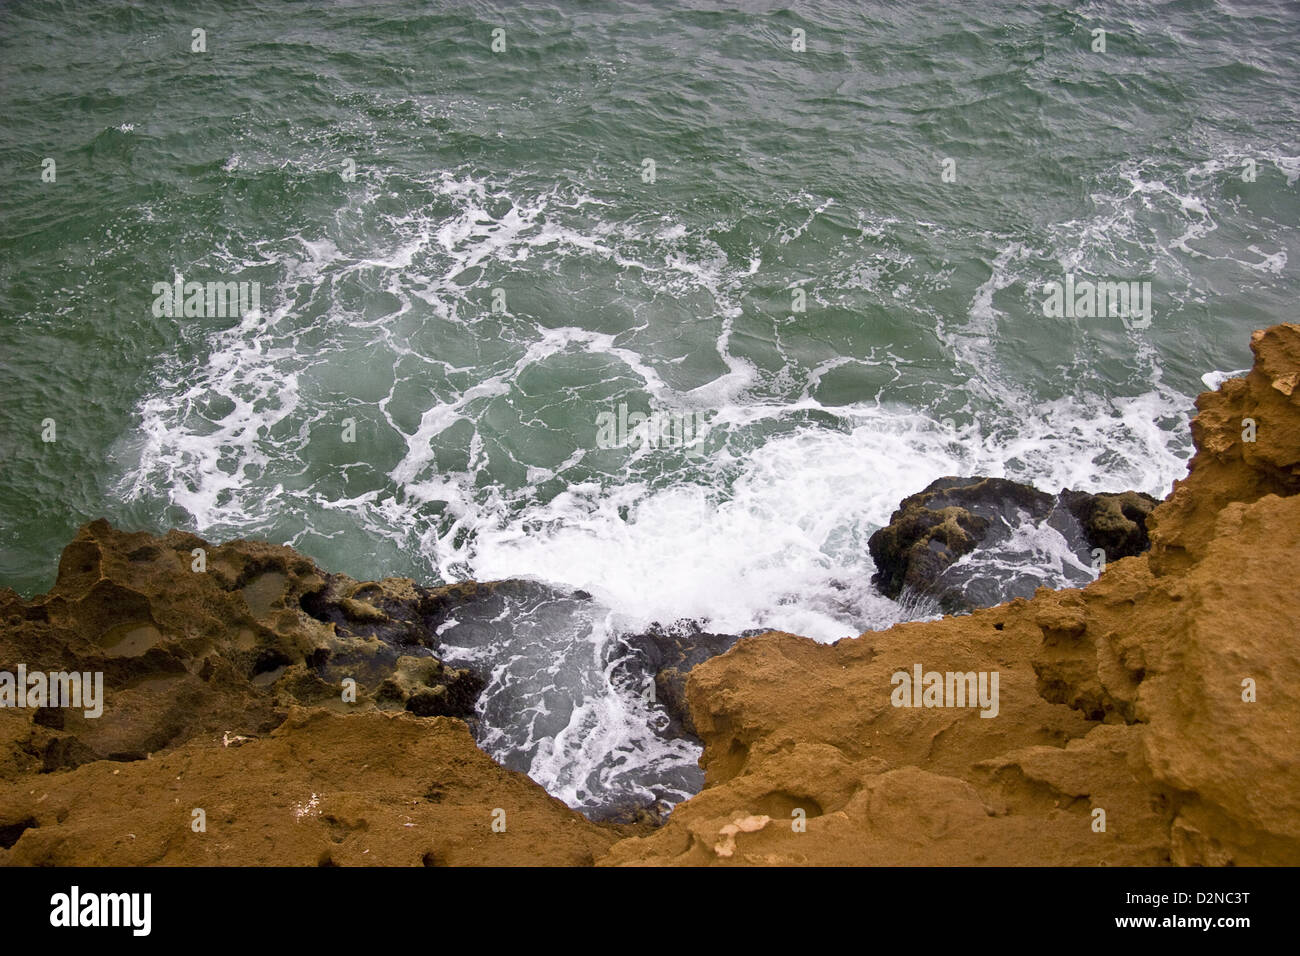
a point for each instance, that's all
(768, 528)
(1216, 378)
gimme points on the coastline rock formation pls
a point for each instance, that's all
(1148, 718)
(1114, 522)
(322, 789)
(919, 552)
(197, 639)
(948, 519)
(670, 653)
(226, 671)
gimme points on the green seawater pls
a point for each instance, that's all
(836, 257)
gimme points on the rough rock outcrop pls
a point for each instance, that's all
(322, 789)
(669, 653)
(1147, 718)
(201, 639)
(1114, 522)
(947, 519)
(961, 543)
(918, 554)
(226, 672)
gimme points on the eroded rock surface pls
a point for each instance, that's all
(227, 648)
(669, 654)
(322, 789)
(1114, 522)
(226, 671)
(949, 518)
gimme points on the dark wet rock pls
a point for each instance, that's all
(669, 653)
(533, 643)
(428, 688)
(646, 813)
(522, 639)
(1114, 522)
(658, 661)
(951, 517)
(975, 542)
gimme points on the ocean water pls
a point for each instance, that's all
(834, 272)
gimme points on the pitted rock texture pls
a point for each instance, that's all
(918, 554)
(1113, 522)
(200, 639)
(947, 519)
